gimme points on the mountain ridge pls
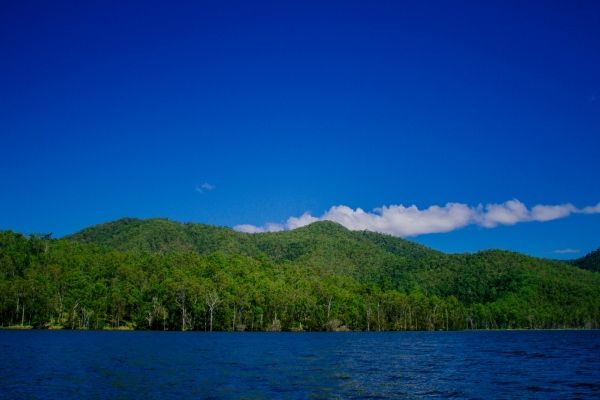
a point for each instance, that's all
(392, 243)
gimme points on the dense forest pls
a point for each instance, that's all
(163, 275)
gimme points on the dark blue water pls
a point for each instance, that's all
(158, 365)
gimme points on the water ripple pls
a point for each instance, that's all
(411, 365)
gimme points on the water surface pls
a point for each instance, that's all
(163, 365)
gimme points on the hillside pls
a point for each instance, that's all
(160, 274)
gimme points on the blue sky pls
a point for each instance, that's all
(281, 108)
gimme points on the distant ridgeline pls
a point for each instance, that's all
(590, 261)
(159, 274)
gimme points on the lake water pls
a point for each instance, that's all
(159, 365)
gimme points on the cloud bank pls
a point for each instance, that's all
(402, 221)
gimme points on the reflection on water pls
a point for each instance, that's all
(51, 364)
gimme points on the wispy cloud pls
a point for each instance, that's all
(566, 251)
(591, 209)
(205, 187)
(403, 221)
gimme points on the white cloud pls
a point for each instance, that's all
(402, 221)
(566, 251)
(507, 213)
(591, 209)
(205, 187)
(513, 212)
(544, 213)
(270, 227)
(399, 220)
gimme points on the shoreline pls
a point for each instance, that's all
(30, 328)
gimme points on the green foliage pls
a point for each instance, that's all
(159, 274)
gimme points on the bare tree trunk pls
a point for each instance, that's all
(149, 318)
(180, 300)
(17, 311)
(73, 314)
(432, 318)
(233, 323)
(85, 318)
(212, 300)
(446, 318)
(60, 306)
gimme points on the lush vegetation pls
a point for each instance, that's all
(159, 274)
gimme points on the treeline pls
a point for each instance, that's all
(47, 283)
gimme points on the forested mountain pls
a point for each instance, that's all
(590, 261)
(160, 274)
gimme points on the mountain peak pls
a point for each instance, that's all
(325, 227)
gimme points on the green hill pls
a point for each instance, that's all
(161, 274)
(326, 245)
(162, 235)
